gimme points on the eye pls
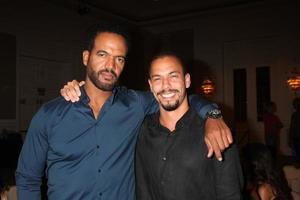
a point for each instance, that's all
(121, 60)
(101, 54)
(174, 76)
(155, 79)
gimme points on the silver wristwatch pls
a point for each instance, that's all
(214, 114)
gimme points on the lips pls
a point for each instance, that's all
(167, 94)
(107, 75)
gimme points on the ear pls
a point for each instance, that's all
(187, 79)
(85, 57)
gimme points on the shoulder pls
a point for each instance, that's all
(150, 120)
(50, 113)
(126, 95)
(53, 109)
(132, 97)
(266, 191)
(124, 91)
(149, 124)
(55, 105)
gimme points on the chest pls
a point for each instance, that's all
(184, 151)
(78, 133)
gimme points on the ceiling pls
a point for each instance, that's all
(146, 10)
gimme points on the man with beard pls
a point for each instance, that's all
(86, 148)
(171, 161)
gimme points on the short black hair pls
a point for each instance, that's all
(163, 54)
(109, 27)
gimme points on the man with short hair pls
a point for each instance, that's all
(171, 161)
(86, 149)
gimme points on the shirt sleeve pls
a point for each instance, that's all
(201, 105)
(229, 176)
(32, 159)
(150, 104)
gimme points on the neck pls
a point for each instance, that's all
(97, 96)
(169, 118)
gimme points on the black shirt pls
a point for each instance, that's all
(174, 165)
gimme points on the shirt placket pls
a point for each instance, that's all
(165, 162)
(98, 164)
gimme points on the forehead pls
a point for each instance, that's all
(110, 40)
(165, 64)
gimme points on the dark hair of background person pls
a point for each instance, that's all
(296, 103)
(259, 168)
(269, 107)
(110, 27)
(7, 179)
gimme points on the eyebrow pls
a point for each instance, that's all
(173, 72)
(103, 51)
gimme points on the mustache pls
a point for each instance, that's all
(111, 71)
(169, 90)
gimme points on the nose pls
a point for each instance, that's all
(110, 63)
(165, 83)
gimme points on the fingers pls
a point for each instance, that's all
(216, 132)
(209, 147)
(63, 93)
(71, 91)
(225, 139)
(229, 136)
(76, 88)
(216, 150)
(81, 83)
(226, 134)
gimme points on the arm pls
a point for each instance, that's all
(217, 134)
(32, 160)
(229, 176)
(71, 92)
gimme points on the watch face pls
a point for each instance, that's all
(214, 114)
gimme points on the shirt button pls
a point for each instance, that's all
(99, 170)
(100, 193)
(162, 182)
(98, 146)
(164, 158)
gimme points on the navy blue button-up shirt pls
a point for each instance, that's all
(85, 158)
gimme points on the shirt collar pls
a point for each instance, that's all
(181, 123)
(185, 119)
(85, 98)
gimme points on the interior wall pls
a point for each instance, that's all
(48, 51)
(259, 35)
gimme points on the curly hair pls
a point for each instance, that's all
(7, 179)
(259, 168)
